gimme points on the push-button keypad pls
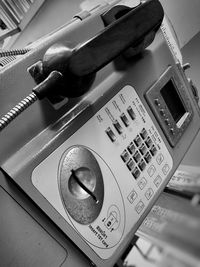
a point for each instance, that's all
(139, 153)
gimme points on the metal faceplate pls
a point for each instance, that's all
(127, 164)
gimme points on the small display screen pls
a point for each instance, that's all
(173, 101)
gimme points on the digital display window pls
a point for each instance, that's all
(173, 101)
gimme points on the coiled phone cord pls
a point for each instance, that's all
(39, 92)
(17, 110)
(14, 52)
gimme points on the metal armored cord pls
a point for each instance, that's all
(17, 110)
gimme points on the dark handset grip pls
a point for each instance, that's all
(116, 38)
(86, 59)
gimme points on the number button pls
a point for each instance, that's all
(125, 156)
(130, 164)
(136, 173)
(131, 148)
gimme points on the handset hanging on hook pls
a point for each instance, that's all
(79, 65)
(69, 72)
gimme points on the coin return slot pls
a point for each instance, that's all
(82, 183)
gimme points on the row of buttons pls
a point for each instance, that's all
(148, 195)
(140, 205)
(163, 114)
(118, 127)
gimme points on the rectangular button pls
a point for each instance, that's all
(139, 207)
(130, 164)
(142, 183)
(144, 134)
(131, 113)
(142, 165)
(138, 140)
(131, 148)
(136, 173)
(157, 181)
(143, 149)
(132, 196)
(147, 157)
(110, 134)
(148, 142)
(137, 156)
(151, 170)
(149, 193)
(153, 150)
(118, 127)
(124, 119)
(125, 156)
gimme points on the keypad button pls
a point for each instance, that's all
(149, 193)
(142, 165)
(165, 169)
(137, 156)
(151, 170)
(138, 141)
(142, 183)
(132, 196)
(147, 157)
(136, 173)
(139, 207)
(153, 150)
(130, 164)
(125, 156)
(143, 149)
(148, 142)
(110, 134)
(131, 148)
(144, 134)
(157, 181)
(160, 158)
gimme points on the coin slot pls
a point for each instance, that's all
(82, 183)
